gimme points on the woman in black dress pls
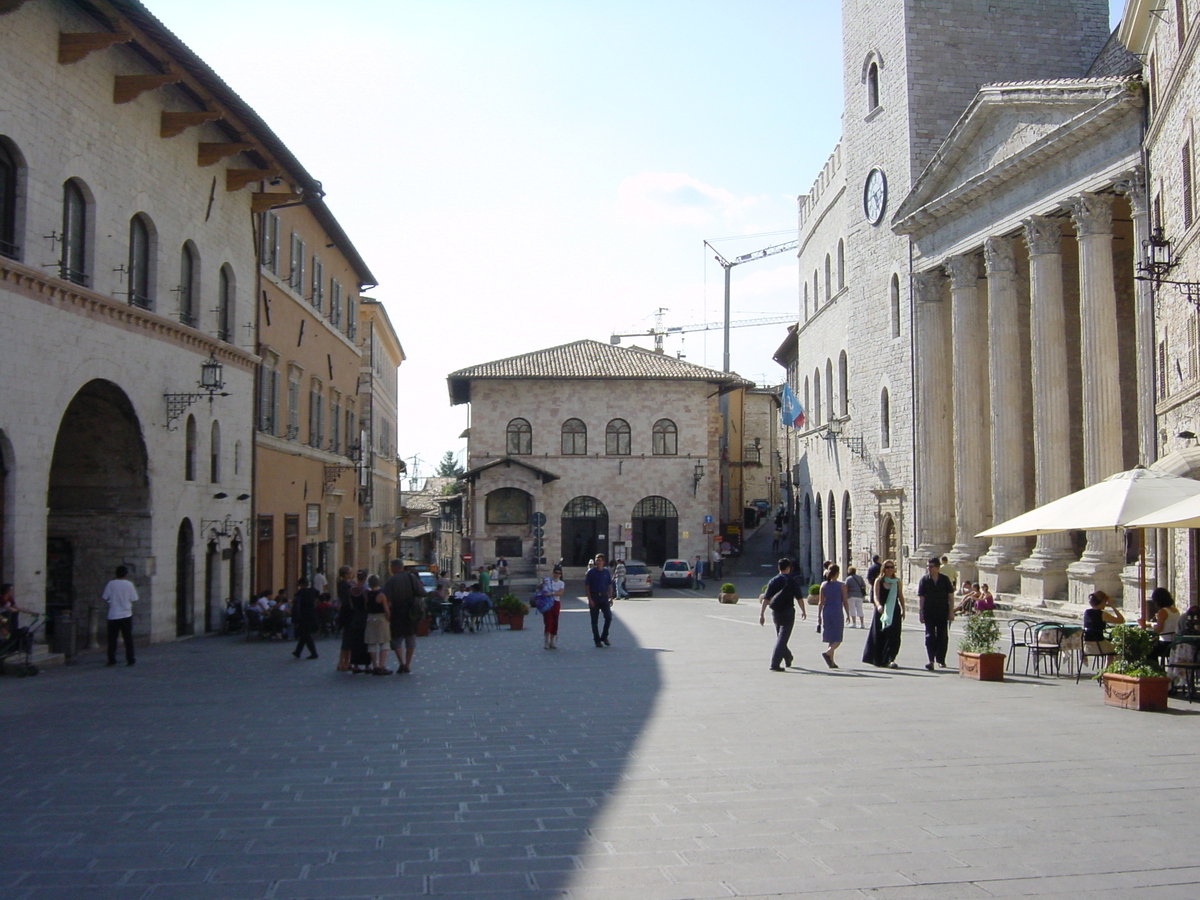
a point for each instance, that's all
(883, 640)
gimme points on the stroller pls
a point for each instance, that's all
(17, 642)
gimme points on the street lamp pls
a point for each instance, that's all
(211, 383)
(697, 474)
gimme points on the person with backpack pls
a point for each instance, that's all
(781, 595)
(406, 601)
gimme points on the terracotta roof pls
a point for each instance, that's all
(590, 360)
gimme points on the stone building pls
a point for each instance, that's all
(382, 355)
(308, 442)
(589, 447)
(128, 177)
(984, 167)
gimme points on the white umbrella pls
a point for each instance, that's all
(1115, 502)
(1184, 514)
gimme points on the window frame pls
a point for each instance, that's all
(138, 273)
(73, 264)
(518, 436)
(664, 438)
(574, 440)
(613, 434)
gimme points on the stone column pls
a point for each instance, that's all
(934, 490)
(1044, 573)
(972, 445)
(998, 566)
(1133, 185)
(1101, 563)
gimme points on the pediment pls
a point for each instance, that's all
(1006, 128)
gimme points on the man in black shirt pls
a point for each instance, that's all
(936, 610)
(304, 618)
(873, 570)
(780, 595)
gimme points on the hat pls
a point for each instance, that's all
(935, 562)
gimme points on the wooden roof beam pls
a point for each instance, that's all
(74, 46)
(130, 87)
(210, 153)
(174, 123)
(261, 201)
(236, 179)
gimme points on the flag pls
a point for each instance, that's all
(792, 412)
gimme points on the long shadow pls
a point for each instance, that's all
(217, 768)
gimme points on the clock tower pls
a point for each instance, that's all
(910, 69)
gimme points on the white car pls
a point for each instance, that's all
(638, 578)
(676, 573)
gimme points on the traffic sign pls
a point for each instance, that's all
(539, 532)
(538, 519)
(708, 520)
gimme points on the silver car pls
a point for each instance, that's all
(637, 578)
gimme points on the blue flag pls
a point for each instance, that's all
(792, 412)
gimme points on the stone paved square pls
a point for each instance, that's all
(673, 765)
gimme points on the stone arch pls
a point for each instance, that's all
(185, 579)
(13, 171)
(655, 530)
(98, 502)
(584, 530)
(189, 284)
(818, 529)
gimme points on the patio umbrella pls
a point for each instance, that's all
(1184, 514)
(1123, 500)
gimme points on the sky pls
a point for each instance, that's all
(519, 174)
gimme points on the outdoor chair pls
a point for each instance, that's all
(1016, 626)
(1045, 647)
(1090, 650)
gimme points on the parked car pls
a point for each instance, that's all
(428, 581)
(638, 578)
(676, 573)
(763, 506)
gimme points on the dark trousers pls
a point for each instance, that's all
(304, 639)
(699, 576)
(595, 608)
(937, 639)
(784, 621)
(123, 627)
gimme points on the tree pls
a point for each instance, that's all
(449, 467)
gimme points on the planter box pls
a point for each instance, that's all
(1128, 692)
(728, 598)
(981, 666)
(502, 617)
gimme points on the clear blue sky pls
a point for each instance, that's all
(525, 173)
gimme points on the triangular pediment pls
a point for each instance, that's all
(1006, 128)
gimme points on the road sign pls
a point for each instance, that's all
(538, 519)
(539, 532)
(708, 520)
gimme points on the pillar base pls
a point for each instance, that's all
(998, 568)
(1131, 580)
(1094, 572)
(965, 558)
(1044, 575)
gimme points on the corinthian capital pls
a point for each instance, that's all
(1042, 235)
(1133, 185)
(1091, 213)
(963, 270)
(998, 256)
(928, 286)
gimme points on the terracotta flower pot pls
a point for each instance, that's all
(981, 666)
(728, 598)
(516, 622)
(1131, 692)
(502, 617)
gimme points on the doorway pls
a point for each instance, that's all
(185, 580)
(584, 530)
(655, 530)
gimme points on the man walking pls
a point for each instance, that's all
(619, 580)
(405, 595)
(936, 610)
(120, 595)
(780, 596)
(304, 617)
(599, 586)
(873, 570)
(699, 572)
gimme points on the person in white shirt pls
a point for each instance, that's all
(120, 595)
(319, 581)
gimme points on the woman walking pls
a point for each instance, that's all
(378, 633)
(832, 610)
(883, 640)
(555, 586)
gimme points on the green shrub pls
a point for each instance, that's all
(728, 588)
(981, 634)
(814, 589)
(1133, 647)
(513, 605)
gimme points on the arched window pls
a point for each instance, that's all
(666, 438)
(844, 384)
(872, 87)
(508, 506)
(138, 271)
(616, 438)
(828, 280)
(225, 300)
(189, 451)
(894, 301)
(831, 410)
(841, 265)
(816, 410)
(519, 438)
(818, 529)
(816, 290)
(808, 410)
(847, 531)
(832, 549)
(806, 301)
(214, 454)
(9, 171)
(73, 265)
(189, 276)
(574, 438)
(885, 420)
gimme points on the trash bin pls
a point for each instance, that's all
(64, 634)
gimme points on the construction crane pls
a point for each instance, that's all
(658, 332)
(727, 265)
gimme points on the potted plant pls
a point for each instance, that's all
(1134, 679)
(511, 610)
(814, 595)
(728, 593)
(977, 656)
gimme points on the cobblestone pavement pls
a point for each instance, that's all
(672, 765)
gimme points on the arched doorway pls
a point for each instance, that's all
(212, 582)
(655, 530)
(98, 503)
(888, 542)
(847, 530)
(185, 580)
(832, 514)
(584, 530)
(818, 544)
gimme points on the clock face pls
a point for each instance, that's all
(875, 196)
